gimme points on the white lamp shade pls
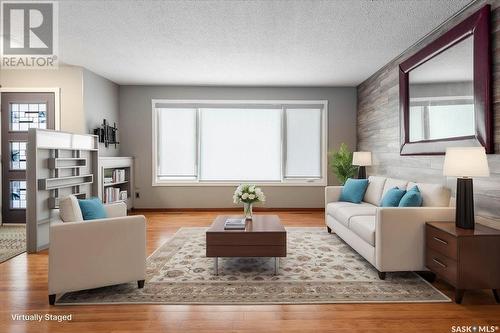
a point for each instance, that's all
(466, 162)
(362, 158)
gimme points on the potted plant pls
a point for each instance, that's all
(341, 164)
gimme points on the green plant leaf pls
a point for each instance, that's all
(340, 162)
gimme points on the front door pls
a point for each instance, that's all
(19, 112)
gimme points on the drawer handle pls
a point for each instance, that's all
(439, 263)
(442, 241)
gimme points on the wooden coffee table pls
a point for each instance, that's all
(264, 236)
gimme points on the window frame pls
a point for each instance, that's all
(282, 104)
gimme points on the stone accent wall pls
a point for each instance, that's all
(378, 124)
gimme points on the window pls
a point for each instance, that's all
(228, 142)
(26, 116)
(428, 114)
(303, 143)
(177, 144)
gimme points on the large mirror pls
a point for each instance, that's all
(445, 91)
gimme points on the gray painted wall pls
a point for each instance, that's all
(100, 101)
(136, 139)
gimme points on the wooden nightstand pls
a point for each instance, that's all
(467, 259)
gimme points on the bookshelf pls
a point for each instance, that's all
(58, 164)
(116, 179)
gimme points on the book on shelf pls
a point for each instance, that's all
(235, 224)
(112, 194)
(108, 180)
(123, 195)
(118, 175)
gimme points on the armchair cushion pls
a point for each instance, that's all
(69, 209)
(92, 209)
(116, 209)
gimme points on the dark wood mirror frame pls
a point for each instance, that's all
(478, 26)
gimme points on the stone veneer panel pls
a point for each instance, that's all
(378, 123)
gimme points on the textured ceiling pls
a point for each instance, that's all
(254, 42)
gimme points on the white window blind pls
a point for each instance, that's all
(177, 142)
(303, 143)
(219, 142)
(240, 144)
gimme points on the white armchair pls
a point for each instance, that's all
(97, 253)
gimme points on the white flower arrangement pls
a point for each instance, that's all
(248, 193)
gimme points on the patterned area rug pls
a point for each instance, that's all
(319, 268)
(12, 241)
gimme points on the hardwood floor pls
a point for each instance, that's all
(23, 290)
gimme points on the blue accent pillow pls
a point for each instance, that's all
(392, 197)
(92, 209)
(412, 198)
(354, 190)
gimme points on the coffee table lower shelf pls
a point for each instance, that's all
(276, 265)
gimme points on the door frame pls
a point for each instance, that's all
(57, 107)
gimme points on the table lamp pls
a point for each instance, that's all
(362, 159)
(465, 163)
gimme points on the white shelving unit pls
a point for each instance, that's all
(106, 167)
(58, 164)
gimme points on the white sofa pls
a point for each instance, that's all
(390, 238)
(97, 253)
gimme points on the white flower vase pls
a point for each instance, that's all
(247, 210)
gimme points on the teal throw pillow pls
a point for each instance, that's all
(392, 197)
(412, 198)
(354, 190)
(92, 209)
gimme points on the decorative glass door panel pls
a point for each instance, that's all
(18, 155)
(26, 116)
(20, 112)
(18, 194)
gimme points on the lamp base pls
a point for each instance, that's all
(361, 172)
(464, 217)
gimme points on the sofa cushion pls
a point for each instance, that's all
(433, 195)
(392, 197)
(412, 198)
(374, 190)
(69, 209)
(392, 183)
(364, 227)
(354, 190)
(343, 213)
(333, 206)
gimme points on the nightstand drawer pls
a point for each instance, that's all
(441, 265)
(441, 242)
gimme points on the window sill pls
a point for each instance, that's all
(304, 183)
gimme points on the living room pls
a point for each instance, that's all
(250, 165)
